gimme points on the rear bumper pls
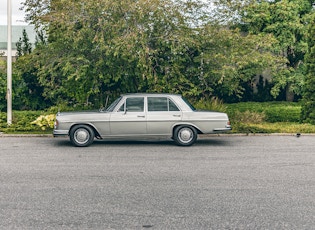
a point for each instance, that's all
(57, 133)
(226, 129)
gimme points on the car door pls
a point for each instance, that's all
(130, 118)
(162, 114)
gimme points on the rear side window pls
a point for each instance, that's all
(161, 104)
(172, 106)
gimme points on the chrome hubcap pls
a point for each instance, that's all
(81, 136)
(185, 135)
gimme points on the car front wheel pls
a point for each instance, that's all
(185, 135)
(81, 135)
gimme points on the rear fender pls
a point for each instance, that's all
(186, 124)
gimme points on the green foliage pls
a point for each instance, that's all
(92, 49)
(255, 117)
(272, 111)
(24, 47)
(249, 117)
(213, 104)
(267, 117)
(27, 91)
(229, 58)
(45, 121)
(21, 122)
(100, 48)
(3, 85)
(278, 127)
(308, 108)
(286, 21)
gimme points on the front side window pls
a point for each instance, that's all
(135, 104)
(161, 104)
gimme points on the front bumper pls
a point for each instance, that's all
(57, 133)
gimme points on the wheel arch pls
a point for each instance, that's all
(96, 133)
(185, 124)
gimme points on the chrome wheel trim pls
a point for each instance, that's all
(185, 135)
(81, 136)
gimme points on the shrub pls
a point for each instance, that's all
(248, 117)
(45, 121)
(21, 122)
(274, 111)
(283, 114)
(214, 104)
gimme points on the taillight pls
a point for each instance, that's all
(56, 124)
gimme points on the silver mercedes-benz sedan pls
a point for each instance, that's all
(141, 115)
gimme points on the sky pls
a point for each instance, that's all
(17, 15)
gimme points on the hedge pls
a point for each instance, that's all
(273, 111)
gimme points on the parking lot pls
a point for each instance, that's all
(226, 182)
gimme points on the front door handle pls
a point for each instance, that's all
(141, 116)
(175, 115)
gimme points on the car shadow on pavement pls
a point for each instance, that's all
(133, 142)
(213, 142)
(65, 142)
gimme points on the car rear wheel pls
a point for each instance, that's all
(82, 135)
(185, 135)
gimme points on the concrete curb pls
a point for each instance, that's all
(25, 135)
(256, 134)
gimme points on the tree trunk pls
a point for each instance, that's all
(289, 95)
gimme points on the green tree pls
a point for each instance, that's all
(23, 46)
(102, 46)
(230, 59)
(99, 48)
(286, 20)
(3, 84)
(308, 106)
(28, 93)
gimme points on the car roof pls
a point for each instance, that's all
(150, 94)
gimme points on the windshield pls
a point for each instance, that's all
(188, 103)
(113, 105)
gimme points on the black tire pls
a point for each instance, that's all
(185, 135)
(82, 135)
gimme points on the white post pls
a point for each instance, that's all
(9, 64)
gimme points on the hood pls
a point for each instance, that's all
(78, 112)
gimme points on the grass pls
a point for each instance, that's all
(249, 117)
(277, 127)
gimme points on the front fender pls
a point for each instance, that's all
(96, 132)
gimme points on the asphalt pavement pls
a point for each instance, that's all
(222, 182)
